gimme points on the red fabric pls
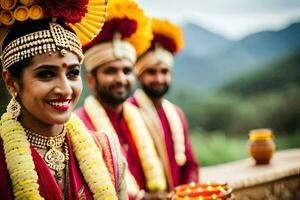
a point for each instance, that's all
(127, 144)
(6, 191)
(82, 114)
(76, 180)
(125, 26)
(48, 187)
(101, 141)
(167, 42)
(188, 172)
(71, 11)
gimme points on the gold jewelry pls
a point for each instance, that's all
(54, 158)
(25, 182)
(55, 39)
(43, 142)
(14, 108)
(58, 176)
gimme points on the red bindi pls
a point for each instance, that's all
(64, 65)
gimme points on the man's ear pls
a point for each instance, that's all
(10, 82)
(91, 81)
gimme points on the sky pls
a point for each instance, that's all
(234, 19)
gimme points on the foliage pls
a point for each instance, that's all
(213, 148)
(268, 97)
(237, 115)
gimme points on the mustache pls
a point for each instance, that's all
(113, 86)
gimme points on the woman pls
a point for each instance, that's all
(45, 151)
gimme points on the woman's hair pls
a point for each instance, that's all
(23, 29)
(16, 70)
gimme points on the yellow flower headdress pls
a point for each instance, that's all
(126, 34)
(167, 41)
(168, 35)
(85, 17)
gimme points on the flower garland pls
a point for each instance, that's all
(19, 159)
(90, 160)
(167, 34)
(176, 127)
(153, 170)
(21, 166)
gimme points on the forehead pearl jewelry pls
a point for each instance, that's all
(53, 40)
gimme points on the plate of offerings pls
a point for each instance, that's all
(202, 191)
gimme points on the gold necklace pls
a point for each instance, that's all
(12, 133)
(55, 159)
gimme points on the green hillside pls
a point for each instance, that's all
(268, 96)
(225, 59)
(276, 76)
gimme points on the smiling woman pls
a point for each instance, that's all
(49, 91)
(45, 151)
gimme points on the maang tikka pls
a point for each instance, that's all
(14, 107)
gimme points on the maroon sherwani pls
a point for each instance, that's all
(189, 171)
(127, 143)
(48, 187)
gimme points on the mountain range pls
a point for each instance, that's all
(210, 60)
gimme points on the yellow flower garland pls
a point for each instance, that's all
(153, 169)
(21, 166)
(19, 159)
(173, 118)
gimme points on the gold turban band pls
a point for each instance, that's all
(107, 52)
(153, 57)
(55, 39)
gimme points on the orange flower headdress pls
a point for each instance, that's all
(167, 41)
(126, 34)
(84, 17)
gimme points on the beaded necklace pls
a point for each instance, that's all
(55, 159)
(21, 167)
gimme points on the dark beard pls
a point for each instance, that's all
(152, 93)
(109, 98)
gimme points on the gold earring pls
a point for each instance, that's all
(14, 108)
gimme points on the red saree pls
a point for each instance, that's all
(48, 187)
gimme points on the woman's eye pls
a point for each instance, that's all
(73, 73)
(46, 74)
